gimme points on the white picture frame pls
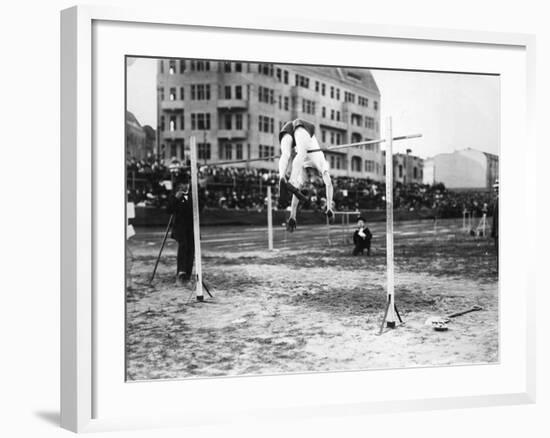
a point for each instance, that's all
(82, 368)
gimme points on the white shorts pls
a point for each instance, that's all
(316, 160)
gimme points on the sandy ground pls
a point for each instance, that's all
(312, 310)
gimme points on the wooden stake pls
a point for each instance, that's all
(269, 219)
(390, 311)
(196, 224)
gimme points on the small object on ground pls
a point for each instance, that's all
(239, 321)
(440, 326)
(436, 320)
(464, 312)
(439, 323)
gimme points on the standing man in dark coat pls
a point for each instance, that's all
(181, 206)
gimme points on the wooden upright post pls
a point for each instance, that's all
(196, 224)
(269, 219)
(390, 312)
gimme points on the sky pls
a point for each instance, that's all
(451, 111)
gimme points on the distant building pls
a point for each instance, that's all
(235, 111)
(407, 168)
(140, 141)
(464, 169)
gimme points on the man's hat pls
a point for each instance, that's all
(183, 178)
(361, 218)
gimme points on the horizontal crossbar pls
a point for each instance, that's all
(363, 143)
(331, 148)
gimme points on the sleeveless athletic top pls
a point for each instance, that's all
(290, 127)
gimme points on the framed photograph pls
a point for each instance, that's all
(273, 220)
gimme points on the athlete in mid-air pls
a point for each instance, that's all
(300, 135)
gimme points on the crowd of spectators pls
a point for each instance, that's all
(149, 183)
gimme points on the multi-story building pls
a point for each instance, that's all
(464, 169)
(235, 111)
(135, 138)
(407, 168)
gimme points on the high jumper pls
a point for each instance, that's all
(299, 135)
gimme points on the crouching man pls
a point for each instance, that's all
(361, 238)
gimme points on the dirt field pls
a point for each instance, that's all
(310, 307)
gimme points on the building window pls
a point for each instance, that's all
(337, 116)
(228, 151)
(161, 93)
(227, 92)
(239, 151)
(324, 112)
(286, 103)
(369, 166)
(227, 67)
(182, 93)
(227, 121)
(200, 121)
(357, 120)
(172, 67)
(203, 151)
(266, 124)
(279, 74)
(323, 135)
(332, 92)
(172, 123)
(363, 101)
(302, 81)
(182, 122)
(317, 86)
(238, 67)
(162, 124)
(285, 76)
(400, 170)
(375, 105)
(331, 114)
(323, 89)
(196, 65)
(238, 121)
(265, 69)
(173, 93)
(161, 63)
(182, 66)
(356, 164)
(200, 92)
(266, 151)
(266, 95)
(238, 92)
(349, 97)
(331, 137)
(308, 106)
(415, 172)
(338, 94)
(369, 122)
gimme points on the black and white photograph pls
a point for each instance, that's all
(286, 218)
